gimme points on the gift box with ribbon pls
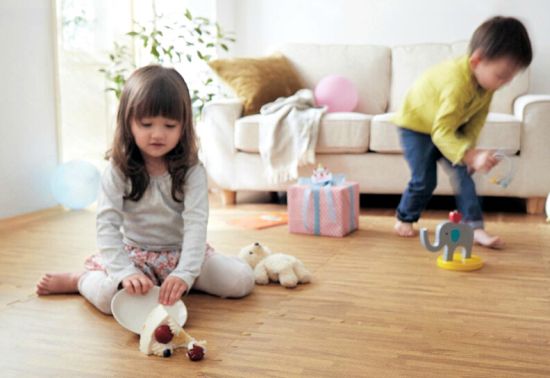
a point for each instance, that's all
(323, 204)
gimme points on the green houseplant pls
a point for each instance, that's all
(190, 40)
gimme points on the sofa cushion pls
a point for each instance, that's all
(258, 81)
(367, 66)
(338, 133)
(409, 62)
(501, 131)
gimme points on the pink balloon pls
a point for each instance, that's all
(337, 93)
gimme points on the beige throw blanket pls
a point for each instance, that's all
(288, 134)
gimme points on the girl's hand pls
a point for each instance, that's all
(137, 283)
(171, 290)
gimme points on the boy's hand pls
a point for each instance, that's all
(480, 160)
(137, 283)
(171, 290)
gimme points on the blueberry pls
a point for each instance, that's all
(166, 353)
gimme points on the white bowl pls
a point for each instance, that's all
(131, 311)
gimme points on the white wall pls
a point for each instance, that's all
(260, 24)
(27, 103)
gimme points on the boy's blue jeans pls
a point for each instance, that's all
(422, 156)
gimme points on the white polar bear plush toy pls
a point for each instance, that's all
(276, 267)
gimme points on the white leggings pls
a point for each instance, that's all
(223, 276)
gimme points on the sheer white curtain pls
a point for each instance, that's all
(86, 32)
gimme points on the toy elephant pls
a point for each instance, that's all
(450, 236)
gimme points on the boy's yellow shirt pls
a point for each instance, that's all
(447, 103)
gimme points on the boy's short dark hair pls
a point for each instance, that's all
(503, 37)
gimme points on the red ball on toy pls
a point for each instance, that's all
(337, 93)
(455, 216)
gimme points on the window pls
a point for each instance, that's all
(86, 33)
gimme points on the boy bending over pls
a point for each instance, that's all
(443, 114)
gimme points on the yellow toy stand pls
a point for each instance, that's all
(460, 264)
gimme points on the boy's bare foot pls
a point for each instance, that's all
(481, 237)
(58, 283)
(404, 229)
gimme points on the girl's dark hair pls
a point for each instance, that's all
(503, 37)
(149, 92)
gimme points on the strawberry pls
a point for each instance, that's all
(196, 353)
(163, 334)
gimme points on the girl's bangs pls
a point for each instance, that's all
(161, 98)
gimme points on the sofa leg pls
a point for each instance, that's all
(229, 197)
(535, 205)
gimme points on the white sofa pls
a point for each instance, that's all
(365, 145)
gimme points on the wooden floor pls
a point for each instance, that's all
(378, 306)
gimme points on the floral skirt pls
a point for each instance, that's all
(156, 265)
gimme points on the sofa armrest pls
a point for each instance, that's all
(534, 112)
(228, 106)
(218, 120)
(216, 132)
(522, 102)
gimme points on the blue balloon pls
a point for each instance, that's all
(75, 184)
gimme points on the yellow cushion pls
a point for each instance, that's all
(258, 81)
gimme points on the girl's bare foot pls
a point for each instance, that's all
(404, 229)
(58, 283)
(481, 237)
